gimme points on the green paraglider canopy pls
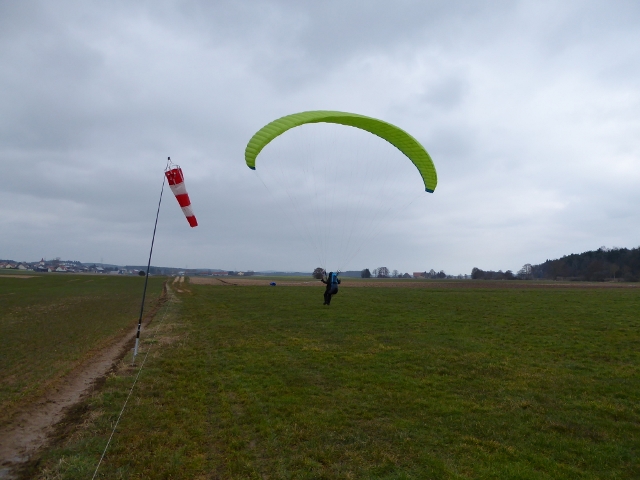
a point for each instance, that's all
(392, 134)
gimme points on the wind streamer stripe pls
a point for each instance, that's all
(176, 183)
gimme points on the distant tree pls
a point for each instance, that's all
(406, 275)
(383, 272)
(142, 273)
(365, 273)
(317, 273)
(441, 274)
(613, 269)
(477, 274)
(394, 274)
(374, 273)
(525, 272)
(432, 274)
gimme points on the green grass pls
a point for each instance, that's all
(390, 383)
(49, 323)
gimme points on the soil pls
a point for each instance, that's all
(178, 282)
(397, 283)
(38, 423)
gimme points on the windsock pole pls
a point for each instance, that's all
(146, 279)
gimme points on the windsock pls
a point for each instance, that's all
(176, 182)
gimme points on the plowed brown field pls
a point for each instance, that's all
(409, 283)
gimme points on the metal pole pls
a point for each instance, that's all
(146, 280)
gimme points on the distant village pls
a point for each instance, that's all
(67, 266)
(64, 267)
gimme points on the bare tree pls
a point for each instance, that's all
(613, 269)
(394, 274)
(383, 272)
(525, 272)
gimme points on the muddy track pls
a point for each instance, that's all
(35, 425)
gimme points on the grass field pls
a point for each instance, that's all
(50, 322)
(259, 382)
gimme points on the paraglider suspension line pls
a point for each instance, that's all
(146, 278)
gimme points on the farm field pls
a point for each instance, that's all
(49, 323)
(262, 382)
(407, 283)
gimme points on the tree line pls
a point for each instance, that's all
(478, 274)
(595, 266)
(604, 264)
(380, 272)
(384, 272)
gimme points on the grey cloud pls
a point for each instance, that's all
(529, 111)
(446, 94)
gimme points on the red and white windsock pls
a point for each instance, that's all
(176, 182)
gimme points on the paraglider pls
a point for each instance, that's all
(331, 281)
(337, 185)
(392, 134)
(176, 183)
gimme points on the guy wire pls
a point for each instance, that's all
(130, 391)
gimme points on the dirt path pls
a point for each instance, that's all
(178, 282)
(32, 427)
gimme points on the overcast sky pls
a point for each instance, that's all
(530, 111)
